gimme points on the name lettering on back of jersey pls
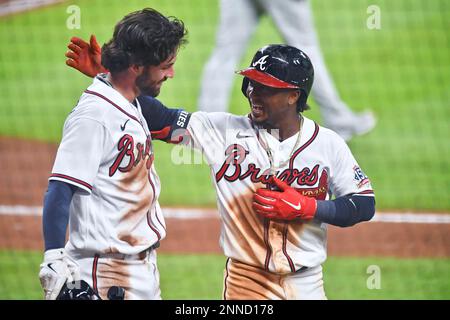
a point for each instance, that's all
(126, 159)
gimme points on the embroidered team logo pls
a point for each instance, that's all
(234, 168)
(261, 62)
(360, 177)
(126, 158)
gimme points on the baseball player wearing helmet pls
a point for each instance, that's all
(294, 21)
(280, 178)
(103, 178)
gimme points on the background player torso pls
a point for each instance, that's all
(320, 164)
(106, 151)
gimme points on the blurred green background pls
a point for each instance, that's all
(201, 277)
(401, 72)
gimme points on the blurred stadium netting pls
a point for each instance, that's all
(401, 71)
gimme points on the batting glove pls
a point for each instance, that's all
(85, 57)
(287, 204)
(57, 269)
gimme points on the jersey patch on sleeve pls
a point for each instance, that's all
(360, 177)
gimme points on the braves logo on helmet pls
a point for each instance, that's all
(261, 62)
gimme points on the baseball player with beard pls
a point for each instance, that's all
(103, 178)
(280, 178)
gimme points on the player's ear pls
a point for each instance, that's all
(293, 97)
(136, 69)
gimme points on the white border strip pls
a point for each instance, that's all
(200, 213)
(408, 217)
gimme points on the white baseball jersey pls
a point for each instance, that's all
(106, 151)
(320, 164)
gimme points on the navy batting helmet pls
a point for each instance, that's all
(281, 66)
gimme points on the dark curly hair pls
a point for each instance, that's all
(144, 38)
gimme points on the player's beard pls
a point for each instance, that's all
(147, 86)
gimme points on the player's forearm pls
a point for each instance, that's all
(56, 214)
(165, 124)
(346, 211)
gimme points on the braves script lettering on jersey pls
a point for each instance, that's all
(320, 165)
(106, 151)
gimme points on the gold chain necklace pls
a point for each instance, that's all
(269, 151)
